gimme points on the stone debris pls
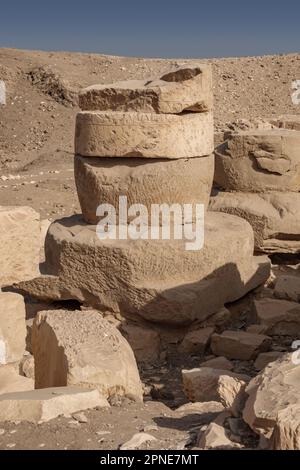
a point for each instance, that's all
(275, 389)
(81, 348)
(145, 342)
(19, 244)
(215, 437)
(27, 366)
(48, 403)
(288, 287)
(239, 344)
(264, 359)
(185, 88)
(207, 384)
(196, 341)
(12, 327)
(280, 317)
(137, 441)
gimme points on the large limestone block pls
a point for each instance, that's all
(259, 160)
(239, 344)
(12, 327)
(119, 134)
(274, 217)
(11, 381)
(158, 280)
(19, 244)
(187, 88)
(280, 317)
(207, 384)
(275, 389)
(81, 348)
(103, 180)
(48, 403)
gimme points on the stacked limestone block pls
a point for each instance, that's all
(259, 174)
(151, 141)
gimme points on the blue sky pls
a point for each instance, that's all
(165, 28)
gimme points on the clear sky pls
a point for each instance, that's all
(153, 28)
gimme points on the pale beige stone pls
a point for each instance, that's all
(281, 317)
(11, 381)
(145, 342)
(12, 327)
(27, 366)
(185, 88)
(275, 389)
(200, 408)
(239, 344)
(263, 359)
(288, 287)
(259, 160)
(48, 403)
(81, 348)
(215, 437)
(286, 434)
(19, 244)
(195, 342)
(137, 441)
(218, 363)
(104, 180)
(158, 280)
(208, 384)
(274, 217)
(119, 134)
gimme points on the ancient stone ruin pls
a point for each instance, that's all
(218, 313)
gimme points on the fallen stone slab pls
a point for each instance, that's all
(281, 317)
(288, 287)
(104, 180)
(11, 381)
(259, 161)
(12, 327)
(274, 217)
(207, 384)
(158, 280)
(275, 389)
(48, 403)
(81, 348)
(239, 344)
(19, 244)
(119, 134)
(185, 88)
(264, 359)
(195, 342)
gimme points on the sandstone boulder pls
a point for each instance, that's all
(104, 180)
(264, 359)
(281, 317)
(81, 348)
(275, 389)
(186, 88)
(196, 341)
(239, 344)
(207, 384)
(159, 280)
(288, 287)
(48, 403)
(19, 244)
(259, 160)
(12, 327)
(119, 134)
(274, 217)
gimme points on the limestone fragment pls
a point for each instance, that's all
(239, 344)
